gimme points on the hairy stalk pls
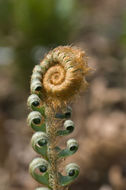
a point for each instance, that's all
(51, 152)
(54, 84)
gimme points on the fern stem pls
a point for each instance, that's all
(51, 131)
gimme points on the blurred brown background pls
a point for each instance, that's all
(28, 30)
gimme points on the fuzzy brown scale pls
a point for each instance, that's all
(65, 76)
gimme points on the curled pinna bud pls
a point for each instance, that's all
(68, 112)
(35, 120)
(69, 127)
(33, 101)
(72, 147)
(72, 171)
(38, 168)
(39, 143)
(65, 115)
(36, 86)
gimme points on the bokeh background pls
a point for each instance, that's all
(28, 30)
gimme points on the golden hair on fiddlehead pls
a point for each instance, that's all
(64, 71)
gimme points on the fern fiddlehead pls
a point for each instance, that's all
(54, 83)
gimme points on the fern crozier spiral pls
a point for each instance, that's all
(64, 70)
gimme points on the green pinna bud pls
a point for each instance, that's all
(35, 120)
(34, 117)
(36, 86)
(38, 169)
(33, 101)
(68, 112)
(39, 143)
(72, 147)
(69, 127)
(65, 115)
(72, 171)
